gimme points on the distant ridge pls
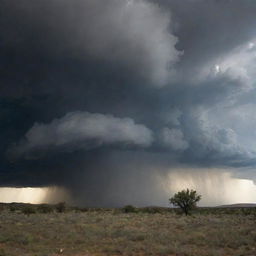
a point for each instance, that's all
(244, 205)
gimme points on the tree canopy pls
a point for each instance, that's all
(186, 200)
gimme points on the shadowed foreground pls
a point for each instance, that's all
(115, 233)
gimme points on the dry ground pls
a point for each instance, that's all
(116, 233)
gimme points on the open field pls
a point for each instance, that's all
(150, 231)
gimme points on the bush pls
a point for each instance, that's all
(1, 208)
(45, 208)
(129, 208)
(85, 209)
(61, 207)
(153, 210)
(13, 208)
(28, 210)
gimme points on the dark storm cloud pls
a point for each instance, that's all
(99, 97)
(126, 34)
(207, 28)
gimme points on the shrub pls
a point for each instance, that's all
(1, 208)
(28, 210)
(153, 210)
(129, 208)
(61, 207)
(186, 200)
(45, 208)
(13, 208)
(85, 209)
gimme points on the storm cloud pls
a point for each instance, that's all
(84, 130)
(107, 99)
(130, 35)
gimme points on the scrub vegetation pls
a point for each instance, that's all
(44, 230)
(186, 200)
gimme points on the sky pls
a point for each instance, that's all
(126, 102)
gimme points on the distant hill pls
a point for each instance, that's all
(237, 206)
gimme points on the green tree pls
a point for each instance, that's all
(186, 200)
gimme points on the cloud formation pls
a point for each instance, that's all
(83, 130)
(130, 35)
(237, 65)
(173, 139)
(110, 95)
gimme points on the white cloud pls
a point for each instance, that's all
(237, 65)
(85, 130)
